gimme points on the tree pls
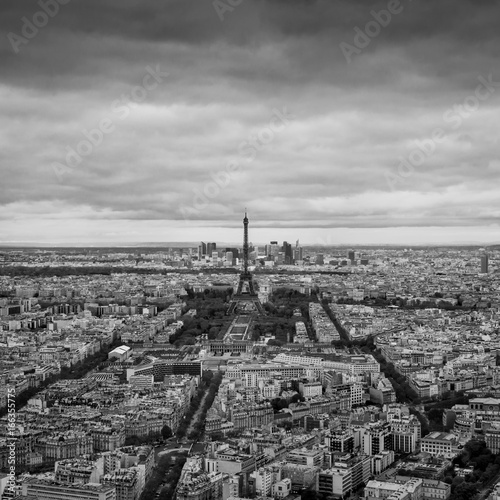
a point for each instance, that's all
(207, 376)
(132, 441)
(296, 398)
(476, 448)
(213, 333)
(435, 415)
(166, 432)
(274, 342)
(279, 404)
(310, 495)
(464, 491)
(287, 425)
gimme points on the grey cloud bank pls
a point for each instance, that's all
(351, 121)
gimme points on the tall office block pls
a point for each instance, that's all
(485, 259)
(211, 247)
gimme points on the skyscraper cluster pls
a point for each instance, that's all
(211, 252)
(284, 254)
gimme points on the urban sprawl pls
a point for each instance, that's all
(250, 372)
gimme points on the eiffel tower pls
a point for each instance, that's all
(246, 279)
(245, 295)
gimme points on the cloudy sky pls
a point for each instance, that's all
(332, 121)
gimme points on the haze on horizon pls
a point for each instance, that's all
(262, 98)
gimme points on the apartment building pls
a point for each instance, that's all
(54, 490)
(303, 456)
(440, 444)
(408, 488)
(126, 482)
(346, 475)
(405, 433)
(375, 437)
(64, 445)
(340, 441)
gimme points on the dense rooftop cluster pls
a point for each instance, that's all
(362, 373)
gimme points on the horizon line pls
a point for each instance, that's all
(194, 244)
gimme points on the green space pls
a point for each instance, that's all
(486, 470)
(403, 303)
(165, 433)
(280, 320)
(49, 271)
(209, 386)
(284, 301)
(167, 474)
(434, 411)
(210, 319)
(52, 271)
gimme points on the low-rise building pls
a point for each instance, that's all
(440, 444)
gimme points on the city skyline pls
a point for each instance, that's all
(344, 237)
(334, 123)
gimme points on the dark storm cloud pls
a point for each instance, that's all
(353, 122)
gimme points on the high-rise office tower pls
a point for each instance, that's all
(202, 249)
(351, 255)
(234, 251)
(287, 251)
(272, 249)
(485, 259)
(211, 247)
(297, 253)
